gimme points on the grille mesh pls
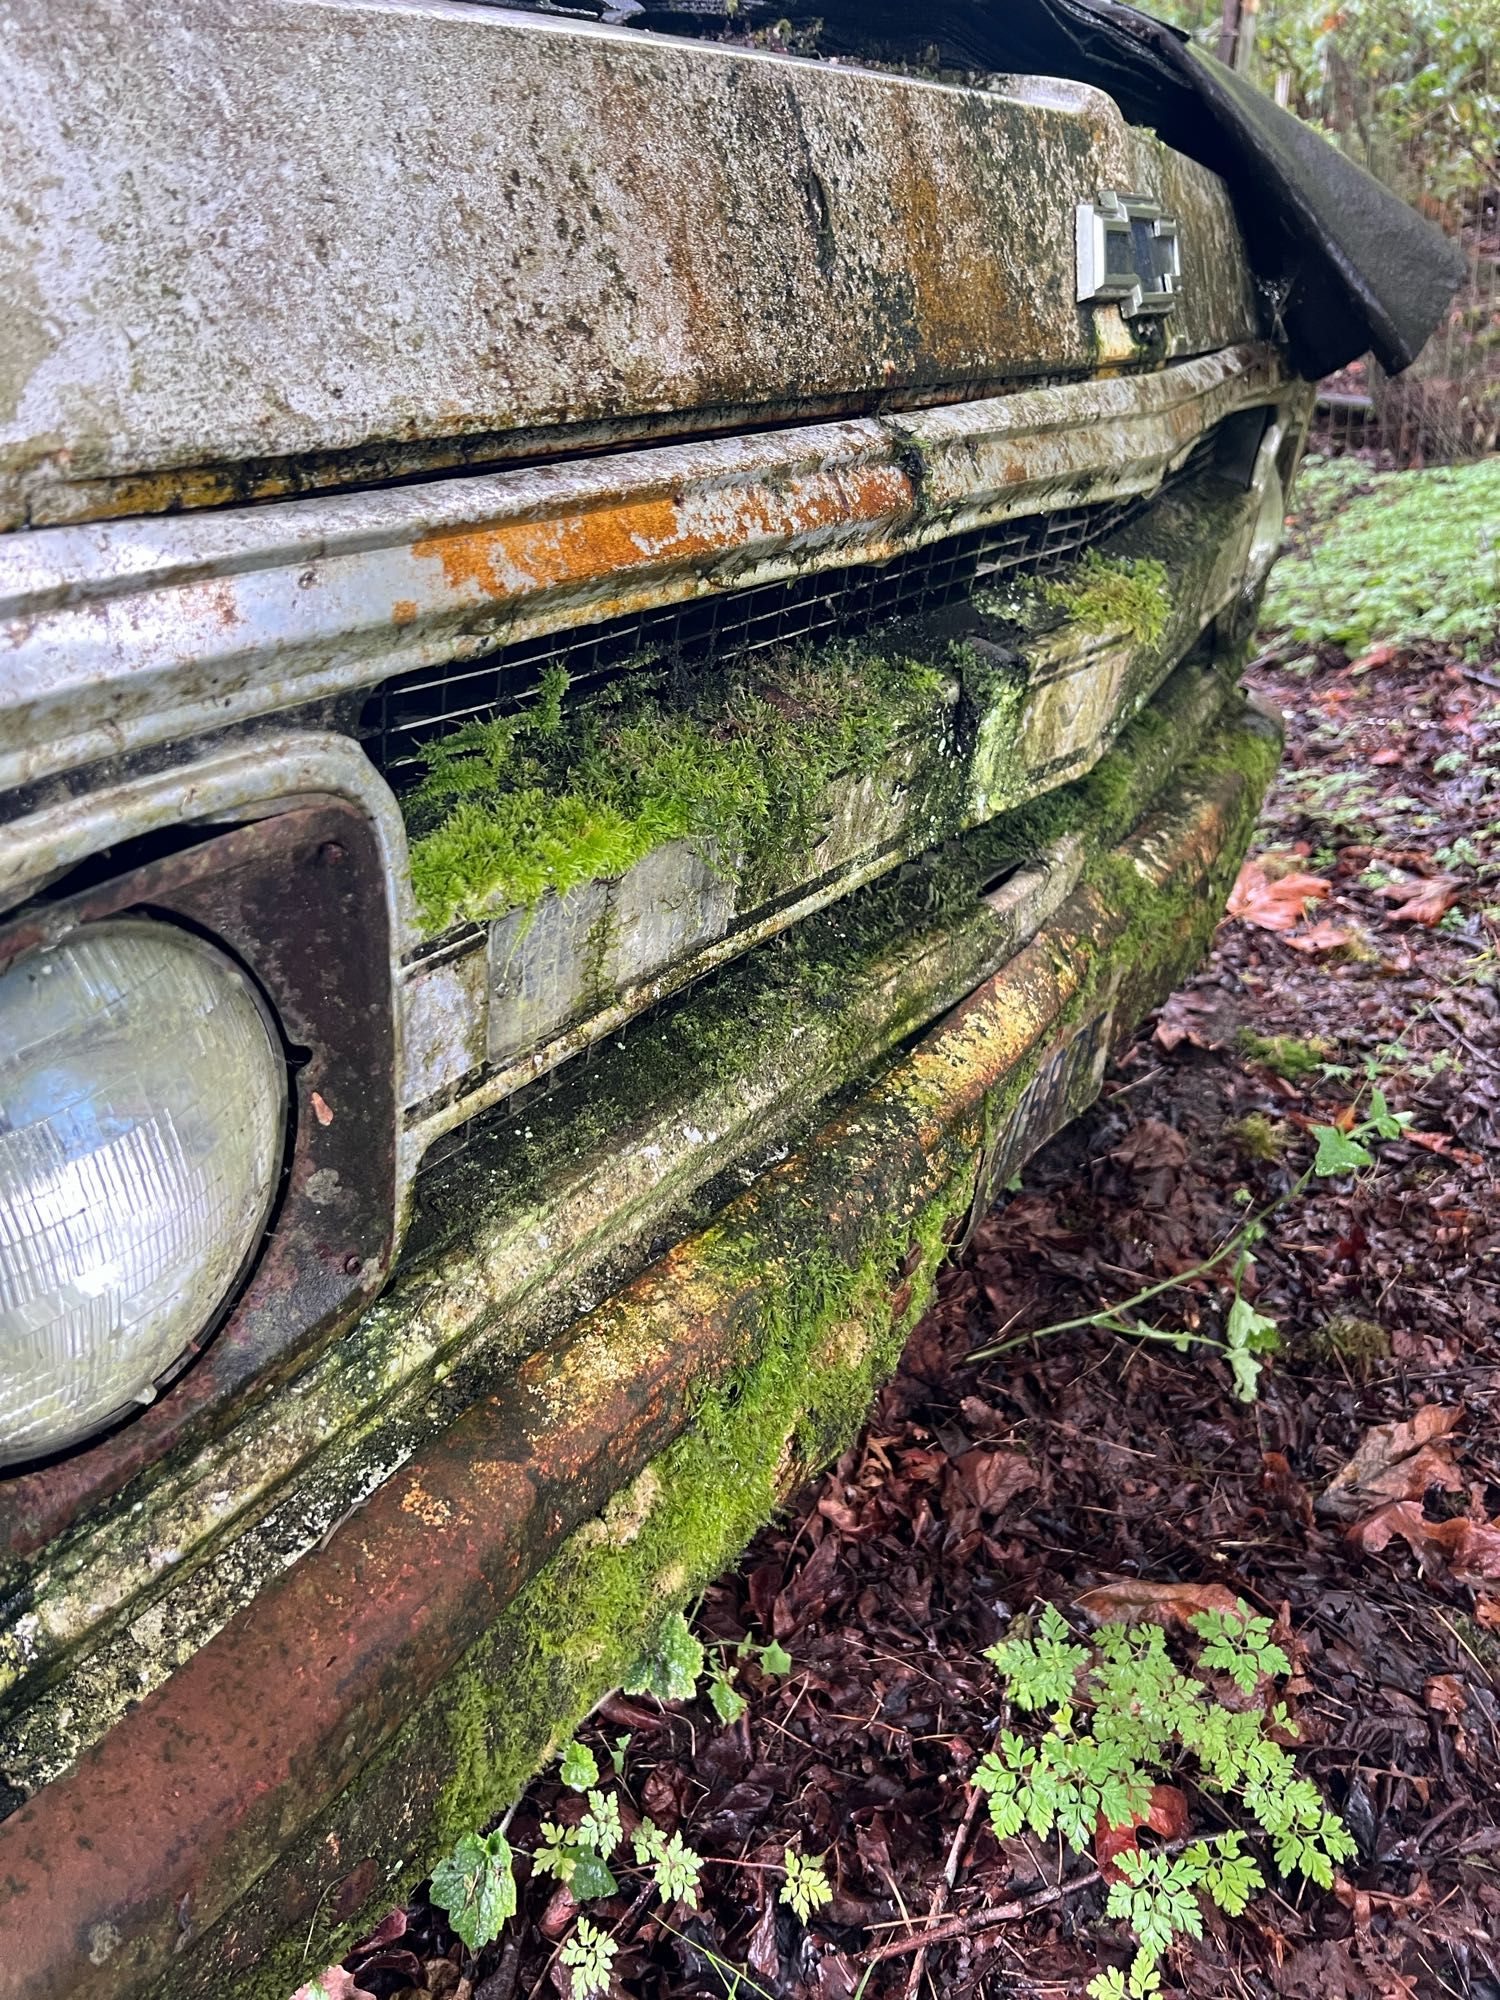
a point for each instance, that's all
(411, 710)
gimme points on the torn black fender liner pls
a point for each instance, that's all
(1346, 266)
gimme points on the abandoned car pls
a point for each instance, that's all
(617, 678)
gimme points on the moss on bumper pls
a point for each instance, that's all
(821, 1268)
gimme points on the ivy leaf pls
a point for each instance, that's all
(775, 1659)
(1338, 1153)
(728, 1703)
(1384, 1122)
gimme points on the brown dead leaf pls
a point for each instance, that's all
(1273, 906)
(990, 1480)
(334, 1984)
(1471, 1549)
(1445, 1696)
(1167, 1815)
(1396, 1462)
(1149, 1145)
(1487, 1613)
(1427, 904)
(1187, 1017)
(1127, 1601)
(1378, 656)
(1321, 937)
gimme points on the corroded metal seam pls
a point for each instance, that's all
(119, 636)
(222, 1768)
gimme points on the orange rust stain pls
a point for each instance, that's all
(516, 558)
(403, 611)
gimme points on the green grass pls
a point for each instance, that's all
(1391, 558)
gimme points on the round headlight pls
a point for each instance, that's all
(142, 1108)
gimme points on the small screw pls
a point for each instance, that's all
(353, 1264)
(331, 853)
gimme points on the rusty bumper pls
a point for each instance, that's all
(399, 1682)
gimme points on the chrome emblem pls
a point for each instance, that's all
(1128, 255)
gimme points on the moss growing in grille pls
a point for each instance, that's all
(1126, 594)
(547, 800)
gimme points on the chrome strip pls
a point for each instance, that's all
(122, 635)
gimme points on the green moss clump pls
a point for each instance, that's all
(1258, 1137)
(1126, 594)
(1287, 1055)
(738, 762)
(1360, 1343)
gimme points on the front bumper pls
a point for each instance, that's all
(401, 1680)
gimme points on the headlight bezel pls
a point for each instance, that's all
(281, 894)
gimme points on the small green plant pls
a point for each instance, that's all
(1258, 1136)
(673, 1864)
(578, 1767)
(1121, 1714)
(673, 1667)
(1249, 1334)
(1288, 1055)
(728, 1703)
(589, 1954)
(807, 1887)
(477, 1888)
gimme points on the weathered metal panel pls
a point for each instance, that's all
(123, 635)
(250, 246)
(122, 1600)
(240, 1756)
(557, 978)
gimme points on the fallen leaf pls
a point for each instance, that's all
(1273, 906)
(1378, 656)
(334, 1984)
(1128, 1601)
(1471, 1549)
(1282, 1486)
(1149, 1145)
(1167, 1815)
(1396, 1462)
(1445, 1696)
(1186, 1018)
(1487, 1613)
(1431, 904)
(1323, 936)
(990, 1480)
(1390, 755)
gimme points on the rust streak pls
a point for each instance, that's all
(516, 558)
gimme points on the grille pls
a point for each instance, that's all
(409, 711)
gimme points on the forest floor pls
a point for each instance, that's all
(1353, 1502)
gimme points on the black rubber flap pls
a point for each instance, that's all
(1346, 266)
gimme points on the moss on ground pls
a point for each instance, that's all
(1396, 557)
(1288, 1055)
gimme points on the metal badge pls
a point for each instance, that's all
(1128, 254)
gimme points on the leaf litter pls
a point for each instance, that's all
(1356, 1503)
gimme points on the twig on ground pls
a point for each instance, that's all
(983, 1920)
(944, 1888)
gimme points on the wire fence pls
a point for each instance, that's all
(1414, 96)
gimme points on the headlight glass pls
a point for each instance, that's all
(142, 1112)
